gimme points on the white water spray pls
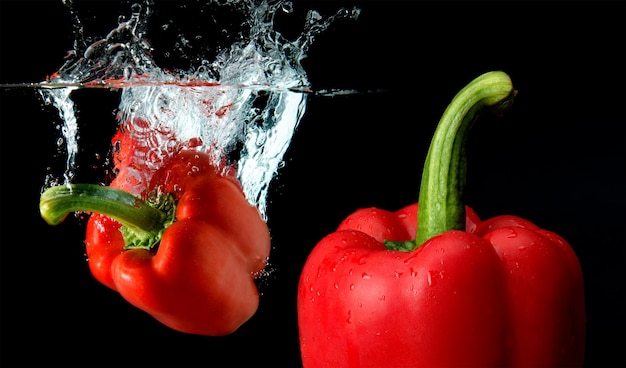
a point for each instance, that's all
(242, 107)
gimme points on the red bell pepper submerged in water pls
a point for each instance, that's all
(446, 290)
(187, 253)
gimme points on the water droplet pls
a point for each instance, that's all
(287, 7)
(429, 278)
(366, 276)
(351, 286)
(136, 8)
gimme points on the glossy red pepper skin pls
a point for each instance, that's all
(201, 280)
(503, 293)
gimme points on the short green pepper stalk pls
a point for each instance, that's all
(144, 221)
(441, 206)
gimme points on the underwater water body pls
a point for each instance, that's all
(242, 107)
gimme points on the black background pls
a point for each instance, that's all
(557, 158)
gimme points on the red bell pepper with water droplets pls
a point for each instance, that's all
(187, 252)
(438, 287)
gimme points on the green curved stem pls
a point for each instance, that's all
(143, 222)
(441, 206)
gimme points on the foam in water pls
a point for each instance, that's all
(242, 107)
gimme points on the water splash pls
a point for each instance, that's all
(69, 129)
(242, 107)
